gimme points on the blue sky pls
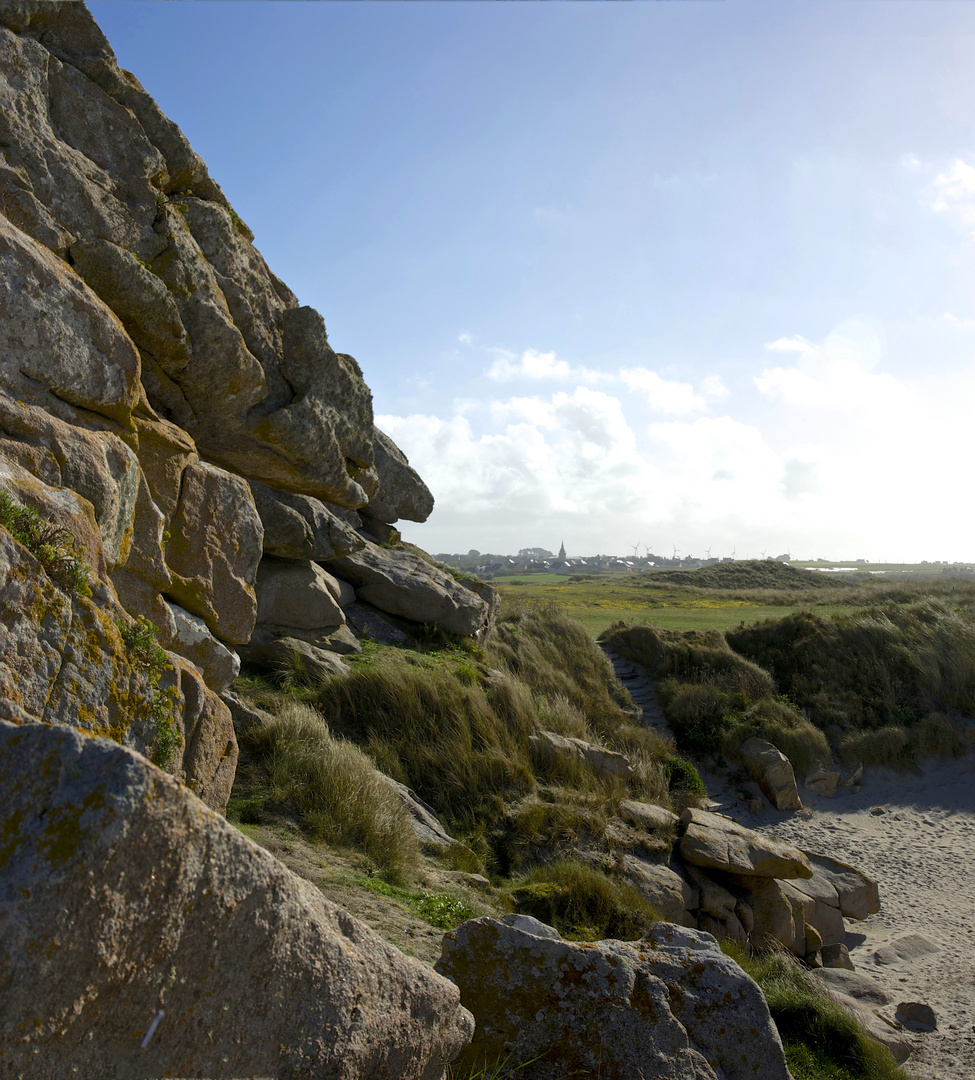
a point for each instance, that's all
(693, 273)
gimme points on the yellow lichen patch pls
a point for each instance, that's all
(63, 833)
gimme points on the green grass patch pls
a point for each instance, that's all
(822, 1041)
(583, 903)
(52, 545)
(437, 908)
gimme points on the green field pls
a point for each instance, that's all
(719, 598)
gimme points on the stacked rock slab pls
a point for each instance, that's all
(756, 889)
(157, 916)
(164, 395)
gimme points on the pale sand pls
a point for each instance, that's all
(922, 853)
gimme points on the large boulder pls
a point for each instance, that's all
(773, 771)
(298, 594)
(181, 948)
(402, 584)
(716, 842)
(401, 494)
(858, 895)
(672, 1005)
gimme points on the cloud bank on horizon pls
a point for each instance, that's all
(604, 459)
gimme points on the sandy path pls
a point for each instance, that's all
(921, 850)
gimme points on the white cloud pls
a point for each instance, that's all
(533, 364)
(465, 338)
(664, 395)
(713, 386)
(836, 374)
(952, 193)
(797, 344)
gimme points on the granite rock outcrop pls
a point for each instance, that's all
(165, 397)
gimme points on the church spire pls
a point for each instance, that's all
(562, 551)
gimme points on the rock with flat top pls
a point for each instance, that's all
(404, 585)
(716, 842)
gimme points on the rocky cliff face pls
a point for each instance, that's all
(166, 401)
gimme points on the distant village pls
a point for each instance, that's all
(537, 560)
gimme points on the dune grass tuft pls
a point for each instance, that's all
(331, 786)
(822, 1041)
(583, 903)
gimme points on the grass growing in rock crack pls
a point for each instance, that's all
(822, 1041)
(52, 545)
(437, 908)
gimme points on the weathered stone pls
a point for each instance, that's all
(138, 297)
(150, 905)
(300, 660)
(164, 453)
(367, 622)
(207, 761)
(218, 665)
(824, 912)
(552, 747)
(405, 585)
(822, 782)
(916, 1016)
(56, 505)
(401, 494)
(57, 339)
(858, 894)
(339, 639)
(427, 827)
(773, 771)
(672, 1005)
(299, 594)
(96, 464)
(663, 889)
(837, 955)
(214, 551)
(653, 818)
(721, 844)
(778, 915)
(300, 527)
(718, 911)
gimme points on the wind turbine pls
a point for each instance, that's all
(764, 553)
(708, 555)
(636, 549)
(674, 556)
(646, 551)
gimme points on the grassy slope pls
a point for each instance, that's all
(453, 721)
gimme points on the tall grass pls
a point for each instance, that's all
(331, 786)
(822, 1041)
(582, 902)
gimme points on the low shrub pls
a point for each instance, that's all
(583, 903)
(822, 1041)
(331, 786)
(52, 545)
(899, 746)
